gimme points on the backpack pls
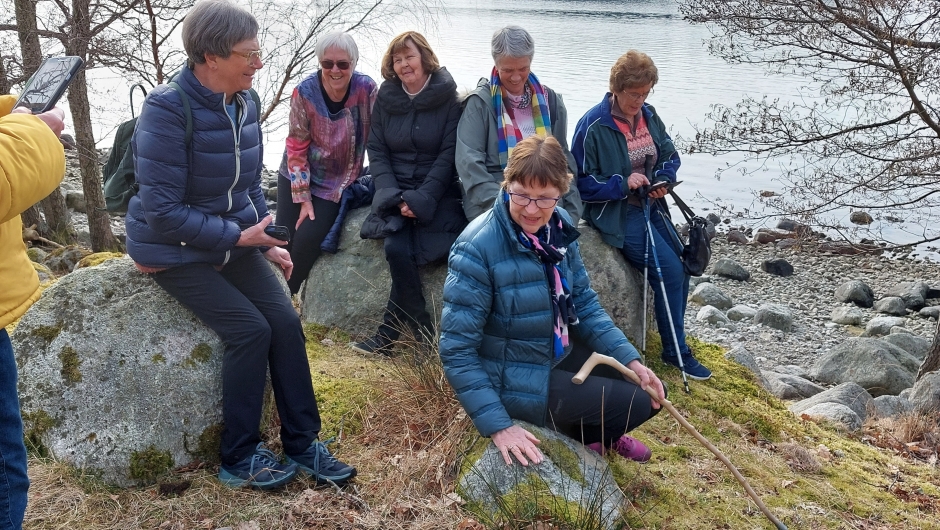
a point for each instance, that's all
(120, 183)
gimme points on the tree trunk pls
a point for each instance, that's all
(932, 361)
(99, 222)
(31, 217)
(57, 218)
(29, 37)
(5, 83)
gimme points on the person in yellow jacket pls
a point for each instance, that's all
(32, 163)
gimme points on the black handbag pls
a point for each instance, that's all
(698, 251)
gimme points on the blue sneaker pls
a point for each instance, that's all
(317, 462)
(261, 470)
(693, 368)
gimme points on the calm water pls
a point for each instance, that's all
(576, 44)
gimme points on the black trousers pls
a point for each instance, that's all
(244, 304)
(601, 409)
(304, 246)
(406, 308)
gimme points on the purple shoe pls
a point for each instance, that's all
(627, 447)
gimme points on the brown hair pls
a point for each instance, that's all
(429, 61)
(539, 160)
(633, 69)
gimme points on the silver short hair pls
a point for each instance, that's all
(215, 26)
(512, 41)
(340, 40)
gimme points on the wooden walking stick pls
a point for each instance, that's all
(597, 358)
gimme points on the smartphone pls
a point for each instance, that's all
(664, 185)
(47, 85)
(278, 232)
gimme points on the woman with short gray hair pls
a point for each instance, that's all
(197, 227)
(503, 110)
(330, 117)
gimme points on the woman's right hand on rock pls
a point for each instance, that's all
(519, 443)
(306, 212)
(254, 236)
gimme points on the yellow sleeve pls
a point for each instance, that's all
(32, 160)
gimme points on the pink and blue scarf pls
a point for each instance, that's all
(507, 132)
(546, 245)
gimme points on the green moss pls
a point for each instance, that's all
(201, 354)
(71, 363)
(158, 359)
(209, 443)
(97, 258)
(564, 458)
(47, 333)
(316, 333)
(149, 464)
(341, 402)
(35, 424)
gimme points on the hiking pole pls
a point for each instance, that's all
(659, 272)
(597, 358)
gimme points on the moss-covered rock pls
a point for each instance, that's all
(71, 364)
(97, 258)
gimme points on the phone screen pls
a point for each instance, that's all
(48, 84)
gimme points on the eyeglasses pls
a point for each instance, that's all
(638, 96)
(250, 56)
(544, 203)
(328, 65)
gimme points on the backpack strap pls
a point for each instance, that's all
(257, 99)
(683, 207)
(188, 137)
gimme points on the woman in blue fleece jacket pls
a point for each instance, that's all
(613, 140)
(520, 318)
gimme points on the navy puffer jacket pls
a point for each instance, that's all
(496, 326)
(186, 214)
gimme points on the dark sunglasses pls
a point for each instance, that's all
(328, 65)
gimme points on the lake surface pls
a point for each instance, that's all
(576, 44)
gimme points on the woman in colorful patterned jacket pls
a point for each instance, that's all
(611, 143)
(330, 117)
(520, 318)
(506, 108)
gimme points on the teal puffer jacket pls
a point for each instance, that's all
(496, 326)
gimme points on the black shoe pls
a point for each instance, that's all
(377, 344)
(317, 462)
(262, 470)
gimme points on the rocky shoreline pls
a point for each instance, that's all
(809, 292)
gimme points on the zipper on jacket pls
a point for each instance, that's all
(236, 134)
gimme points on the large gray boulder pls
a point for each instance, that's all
(914, 294)
(774, 316)
(849, 394)
(915, 345)
(856, 292)
(786, 386)
(891, 305)
(571, 474)
(882, 325)
(925, 396)
(891, 406)
(878, 366)
(709, 294)
(847, 315)
(349, 289)
(836, 413)
(728, 268)
(118, 378)
(742, 356)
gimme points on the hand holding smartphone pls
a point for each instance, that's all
(47, 85)
(663, 185)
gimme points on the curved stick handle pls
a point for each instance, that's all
(597, 358)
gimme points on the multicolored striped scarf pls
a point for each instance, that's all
(545, 243)
(508, 134)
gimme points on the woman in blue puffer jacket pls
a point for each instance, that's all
(520, 318)
(197, 228)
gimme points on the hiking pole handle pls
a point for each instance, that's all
(597, 358)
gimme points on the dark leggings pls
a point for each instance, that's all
(246, 307)
(304, 246)
(576, 411)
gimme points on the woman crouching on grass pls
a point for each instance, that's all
(520, 318)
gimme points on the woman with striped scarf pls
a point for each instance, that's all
(503, 110)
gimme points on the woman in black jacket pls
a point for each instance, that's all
(417, 195)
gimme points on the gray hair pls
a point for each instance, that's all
(512, 41)
(215, 26)
(341, 41)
